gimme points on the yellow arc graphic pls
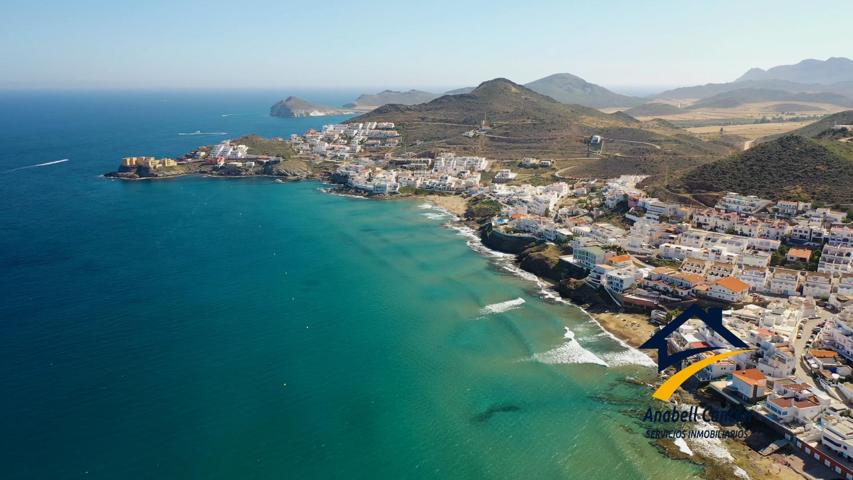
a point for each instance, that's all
(668, 387)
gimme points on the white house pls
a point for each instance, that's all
(817, 285)
(619, 280)
(729, 289)
(588, 256)
(751, 384)
(836, 259)
(838, 437)
(784, 281)
(756, 277)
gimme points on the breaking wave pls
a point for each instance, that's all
(569, 352)
(502, 306)
(506, 261)
(631, 356)
(434, 215)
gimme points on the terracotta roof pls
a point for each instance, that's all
(782, 402)
(734, 284)
(800, 253)
(821, 353)
(620, 259)
(690, 277)
(765, 332)
(808, 403)
(751, 376)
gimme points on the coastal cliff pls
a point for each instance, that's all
(504, 242)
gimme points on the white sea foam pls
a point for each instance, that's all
(709, 447)
(331, 191)
(426, 206)
(638, 357)
(502, 306)
(434, 215)
(506, 261)
(569, 352)
(473, 241)
(629, 356)
(682, 446)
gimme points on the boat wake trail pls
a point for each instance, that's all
(199, 132)
(502, 306)
(45, 164)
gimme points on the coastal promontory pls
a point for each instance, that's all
(292, 107)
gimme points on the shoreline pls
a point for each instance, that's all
(631, 330)
(628, 329)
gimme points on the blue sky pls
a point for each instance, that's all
(395, 44)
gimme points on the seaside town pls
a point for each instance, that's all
(781, 271)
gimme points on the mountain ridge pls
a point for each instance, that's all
(810, 70)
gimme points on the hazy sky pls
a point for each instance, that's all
(281, 43)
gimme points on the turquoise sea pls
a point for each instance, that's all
(216, 328)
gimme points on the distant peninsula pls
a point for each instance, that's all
(385, 97)
(293, 107)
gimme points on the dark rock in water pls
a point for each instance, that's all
(491, 411)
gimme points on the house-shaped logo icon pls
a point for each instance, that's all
(712, 317)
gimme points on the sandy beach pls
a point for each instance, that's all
(633, 328)
(452, 203)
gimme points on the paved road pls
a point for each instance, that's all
(806, 327)
(800, 349)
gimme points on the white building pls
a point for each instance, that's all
(751, 384)
(619, 280)
(504, 175)
(735, 202)
(838, 437)
(756, 277)
(729, 289)
(836, 259)
(588, 256)
(841, 235)
(784, 281)
(817, 285)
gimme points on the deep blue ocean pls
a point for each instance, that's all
(242, 328)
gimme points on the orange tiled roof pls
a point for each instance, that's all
(751, 376)
(782, 402)
(734, 284)
(620, 258)
(807, 403)
(690, 277)
(822, 353)
(800, 253)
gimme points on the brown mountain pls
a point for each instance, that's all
(789, 167)
(522, 122)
